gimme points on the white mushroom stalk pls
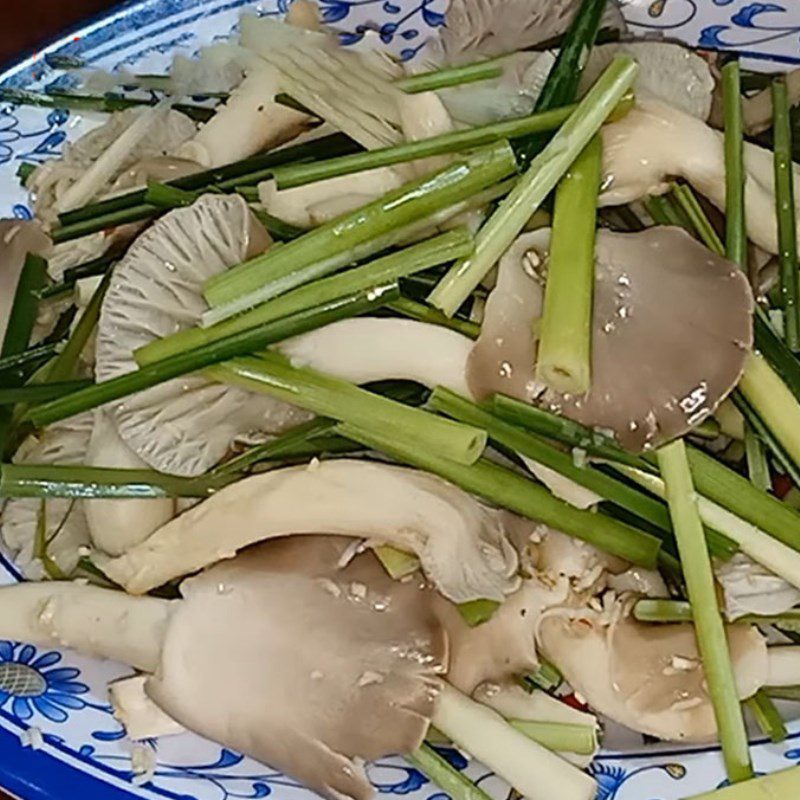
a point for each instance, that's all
(536, 773)
(99, 622)
(140, 716)
(371, 349)
(250, 121)
(783, 664)
(655, 143)
(461, 544)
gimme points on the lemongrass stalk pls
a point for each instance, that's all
(451, 76)
(754, 542)
(508, 489)
(563, 430)
(535, 772)
(541, 178)
(787, 222)
(609, 488)
(416, 258)
(454, 783)
(478, 612)
(230, 347)
(767, 717)
(726, 487)
(22, 316)
(697, 218)
(452, 142)
(735, 228)
(774, 403)
(564, 360)
(678, 611)
(273, 374)
(358, 234)
(711, 639)
(560, 737)
(777, 786)
(422, 312)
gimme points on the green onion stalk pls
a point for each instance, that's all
(416, 258)
(679, 611)
(508, 489)
(452, 76)
(787, 222)
(710, 630)
(271, 373)
(358, 234)
(454, 782)
(696, 218)
(560, 737)
(735, 227)
(185, 363)
(544, 173)
(422, 312)
(767, 717)
(564, 360)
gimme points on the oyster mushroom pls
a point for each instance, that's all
(184, 426)
(139, 715)
(461, 543)
(671, 330)
(118, 525)
(647, 677)
(656, 143)
(64, 525)
(17, 239)
(749, 588)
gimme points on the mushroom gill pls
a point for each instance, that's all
(183, 426)
(671, 330)
(362, 651)
(647, 677)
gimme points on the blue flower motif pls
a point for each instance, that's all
(432, 18)
(31, 683)
(711, 36)
(746, 15)
(391, 8)
(334, 10)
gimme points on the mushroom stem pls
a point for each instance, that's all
(784, 666)
(98, 622)
(533, 771)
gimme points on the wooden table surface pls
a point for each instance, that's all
(29, 25)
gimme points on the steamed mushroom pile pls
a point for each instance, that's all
(381, 513)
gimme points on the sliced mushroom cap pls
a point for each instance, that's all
(671, 330)
(362, 651)
(65, 527)
(495, 27)
(17, 239)
(462, 544)
(647, 677)
(656, 143)
(750, 588)
(186, 425)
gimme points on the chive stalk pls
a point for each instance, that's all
(39, 393)
(22, 317)
(25, 359)
(273, 374)
(697, 218)
(565, 342)
(422, 312)
(767, 717)
(508, 489)
(451, 76)
(711, 639)
(526, 444)
(735, 228)
(202, 357)
(424, 255)
(560, 737)
(358, 234)
(787, 222)
(665, 212)
(532, 189)
(678, 611)
(452, 142)
(756, 458)
(454, 783)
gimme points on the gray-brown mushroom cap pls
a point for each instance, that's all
(284, 622)
(672, 326)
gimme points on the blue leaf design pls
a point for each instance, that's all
(710, 36)
(57, 117)
(261, 790)
(87, 751)
(432, 18)
(346, 39)
(335, 10)
(109, 736)
(21, 211)
(411, 33)
(722, 2)
(388, 29)
(746, 15)
(792, 755)
(391, 8)
(452, 757)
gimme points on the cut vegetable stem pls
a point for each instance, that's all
(457, 785)
(735, 228)
(565, 337)
(422, 312)
(767, 716)
(677, 611)
(560, 737)
(24, 308)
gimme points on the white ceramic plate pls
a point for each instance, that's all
(62, 696)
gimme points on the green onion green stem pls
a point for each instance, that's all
(451, 76)
(508, 489)
(418, 257)
(25, 306)
(564, 360)
(785, 209)
(453, 782)
(271, 373)
(359, 234)
(422, 312)
(710, 629)
(735, 227)
(532, 189)
(697, 218)
(560, 737)
(767, 717)
(202, 357)
(39, 393)
(678, 611)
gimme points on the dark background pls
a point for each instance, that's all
(29, 24)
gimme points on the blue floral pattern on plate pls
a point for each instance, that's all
(62, 695)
